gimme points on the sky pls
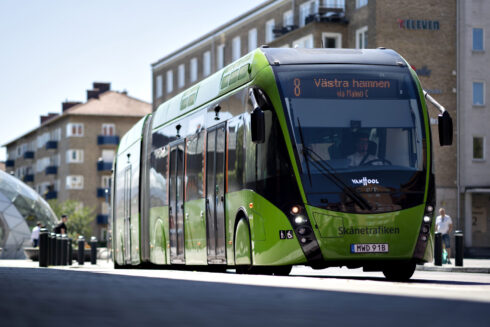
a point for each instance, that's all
(52, 51)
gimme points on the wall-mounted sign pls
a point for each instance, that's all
(424, 71)
(418, 24)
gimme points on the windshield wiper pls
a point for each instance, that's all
(329, 172)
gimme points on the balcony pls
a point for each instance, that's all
(104, 166)
(281, 30)
(51, 170)
(28, 178)
(331, 14)
(10, 163)
(102, 219)
(29, 155)
(51, 195)
(101, 192)
(51, 145)
(105, 139)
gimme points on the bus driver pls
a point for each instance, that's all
(362, 155)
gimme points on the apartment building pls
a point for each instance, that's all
(443, 40)
(70, 155)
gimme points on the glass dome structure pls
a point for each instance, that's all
(20, 209)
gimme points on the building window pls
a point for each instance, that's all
(478, 39)
(220, 56)
(478, 93)
(108, 155)
(478, 148)
(193, 69)
(332, 40)
(304, 42)
(181, 75)
(106, 181)
(74, 129)
(170, 81)
(361, 3)
(305, 10)
(159, 86)
(287, 18)
(108, 129)
(252, 39)
(269, 31)
(74, 182)
(235, 48)
(206, 63)
(74, 156)
(362, 38)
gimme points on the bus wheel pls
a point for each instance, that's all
(399, 272)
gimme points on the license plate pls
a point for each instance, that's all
(369, 248)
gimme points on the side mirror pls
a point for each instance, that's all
(445, 123)
(257, 125)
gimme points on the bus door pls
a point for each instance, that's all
(176, 202)
(215, 194)
(127, 216)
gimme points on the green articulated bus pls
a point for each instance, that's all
(316, 157)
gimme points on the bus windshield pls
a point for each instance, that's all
(354, 126)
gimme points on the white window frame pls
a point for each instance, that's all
(74, 156)
(159, 87)
(181, 76)
(305, 11)
(193, 69)
(206, 63)
(473, 39)
(361, 35)
(108, 155)
(170, 81)
(361, 3)
(483, 148)
(236, 48)
(79, 130)
(220, 56)
(473, 93)
(288, 18)
(304, 42)
(269, 33)
(252, 39)
(105, 181)
(74, 182)
(108, 127)
(336, 36)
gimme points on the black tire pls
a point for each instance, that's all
(399, 272)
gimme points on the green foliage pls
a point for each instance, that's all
(80, 218)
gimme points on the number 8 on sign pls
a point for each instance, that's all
(297, 89)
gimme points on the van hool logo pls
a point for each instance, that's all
(365, 181)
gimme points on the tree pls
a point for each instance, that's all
(80, 218)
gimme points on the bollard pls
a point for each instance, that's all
(458, 240)
(64, 250)
(58, 250)
(81, 250)
(70, 251)
(93, 250)
(437, 249)
(52, 249)
(43, 247)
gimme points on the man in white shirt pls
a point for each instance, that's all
(444, 225)
(361, 156)
(35, 234)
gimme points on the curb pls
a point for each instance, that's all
(477, 270)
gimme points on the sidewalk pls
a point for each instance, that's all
(481, 266)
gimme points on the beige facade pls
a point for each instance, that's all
(69, 156)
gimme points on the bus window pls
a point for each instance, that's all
(158, 177)
(194, 167)
(236, 154)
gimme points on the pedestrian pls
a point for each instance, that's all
(444, 225)
(61, 227)
(35, 234)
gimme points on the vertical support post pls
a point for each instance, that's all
(58, 250)
(64, 250)
(52, 249)
(458, 238)
(93, 250)
(438, 249)
(81, 250)
(43, 247)
(70, 251)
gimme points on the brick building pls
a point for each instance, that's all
(437, 37)
(69, 156)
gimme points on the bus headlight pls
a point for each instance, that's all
(430, 209)
(427, 219)
(299, 220)
(295, 210)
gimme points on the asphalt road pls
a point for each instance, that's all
(96, 296)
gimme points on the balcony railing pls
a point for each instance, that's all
(101, 192)
(102, 219)
(104, 166)
(51, 170)
(332, 14)
(281, 30)
(28, 178)
(105, 139)
(51, 145)
(9, 163)
(29, 155)
(51, 195)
